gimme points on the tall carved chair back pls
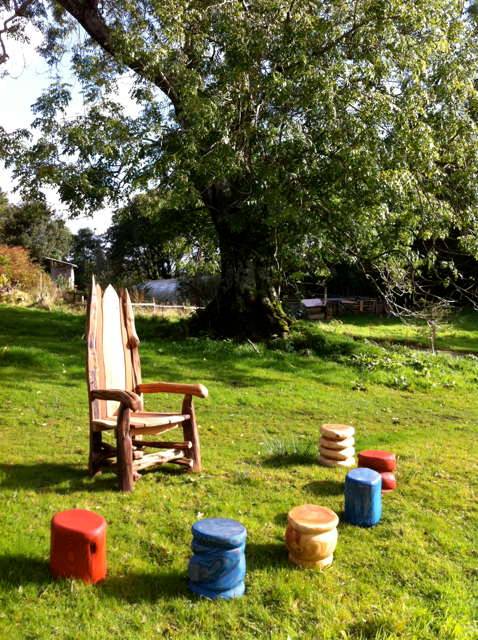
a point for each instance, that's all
(113, 354)
(115, 392)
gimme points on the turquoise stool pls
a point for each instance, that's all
(218, 566)
(363, 497)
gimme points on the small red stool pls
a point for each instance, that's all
(389, 482)
(382, 461)
(78, 545)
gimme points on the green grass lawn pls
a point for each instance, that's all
(413, 576)
(460, 334)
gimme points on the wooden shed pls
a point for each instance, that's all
(331, 307)
(62, 271)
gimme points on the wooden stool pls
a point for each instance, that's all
(78, 545)
(363, 497)
(336, 445)
(382, 461)
(218, 566)
(311, 535)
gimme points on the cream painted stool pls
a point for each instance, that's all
(337, 445)
(311, 535)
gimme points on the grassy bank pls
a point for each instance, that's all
(458, 334)
(413, 576)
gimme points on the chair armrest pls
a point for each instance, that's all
(127, 398)
(198, 390)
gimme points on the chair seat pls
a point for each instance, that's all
(143, 419)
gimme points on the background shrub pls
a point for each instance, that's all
(20, 278)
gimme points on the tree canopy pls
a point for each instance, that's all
(342, 129)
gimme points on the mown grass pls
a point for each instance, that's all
(413, 576)
(459, 333)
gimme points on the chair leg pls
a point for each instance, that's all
(125, 450)
(191, 433)
(94, 460)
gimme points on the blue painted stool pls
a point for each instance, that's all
(363, 497)
(218, 566)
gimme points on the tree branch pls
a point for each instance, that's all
(20, 10)
(87, 14)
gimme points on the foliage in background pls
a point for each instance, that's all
(17, 268)
(343, 130)
(33, 225)
(21, 279)
(150, 240)
(89, 253)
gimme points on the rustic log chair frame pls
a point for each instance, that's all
(110, 333)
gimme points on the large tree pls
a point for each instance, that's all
(346, 125)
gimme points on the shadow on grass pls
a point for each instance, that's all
(48, 477)
(160, 585)
(369, 629)
(146, 587)
(289, 459)
(325, 487)
(281, 518)
(65, 479)
(272, 555)
(17, 570)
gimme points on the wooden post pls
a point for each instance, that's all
(190, 431)
(125, 450)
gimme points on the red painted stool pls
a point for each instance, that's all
(382, 461)
(78, 545)
(389, 482)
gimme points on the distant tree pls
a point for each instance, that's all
(33, 225)
(148, 239)
(3, 203)
(88, 252)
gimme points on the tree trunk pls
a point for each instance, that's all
(246, 304)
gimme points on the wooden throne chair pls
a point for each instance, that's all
(115, 393)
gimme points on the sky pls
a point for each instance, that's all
(28, 76)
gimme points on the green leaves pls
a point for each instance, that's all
(350, 128)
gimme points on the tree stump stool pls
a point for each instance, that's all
(78, 545)
(363, 497)
(311, 535)
(382, 461)
(337, 445)
(218, 566)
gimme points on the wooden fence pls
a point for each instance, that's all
(164, 308)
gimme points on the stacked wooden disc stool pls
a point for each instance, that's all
(311, 536)
(337, 445)
(363, 497)
(384, 463)
(78, 545)
(218, 566)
